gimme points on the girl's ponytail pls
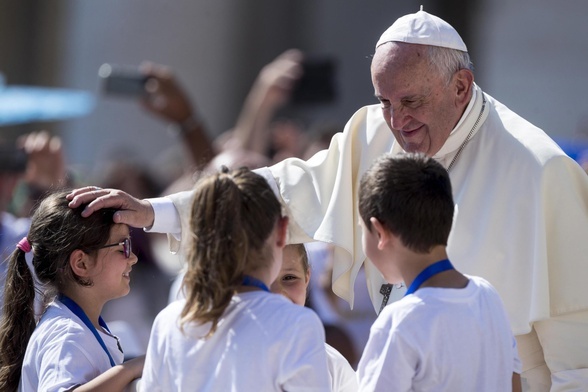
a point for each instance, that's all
(233, 214)
(18, 320)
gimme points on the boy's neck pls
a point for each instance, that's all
(414, 263)
(450, 279)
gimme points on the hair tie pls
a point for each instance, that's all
(24, 245)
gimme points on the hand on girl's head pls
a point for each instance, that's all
(130, 210)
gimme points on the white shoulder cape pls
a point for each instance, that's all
(523, 208)
(522, 202)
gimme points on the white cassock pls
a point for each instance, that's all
(522, 220)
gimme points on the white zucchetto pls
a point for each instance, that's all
(424, 29)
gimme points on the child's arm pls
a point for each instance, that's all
(116, 378)
(516, 383)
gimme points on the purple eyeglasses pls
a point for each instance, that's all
(126, 244)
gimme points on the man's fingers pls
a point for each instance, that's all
(138, 213)
(76, 196)
(106, 201)
(96, 198)
(131, 211)
(79, 191)
(126, 217)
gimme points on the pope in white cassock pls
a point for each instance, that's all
(522, 203)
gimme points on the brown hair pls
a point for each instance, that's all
(410, 194)
(56, 231)
(233, 215)
(303, 254)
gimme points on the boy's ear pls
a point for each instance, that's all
(80, 264)
(383, 234)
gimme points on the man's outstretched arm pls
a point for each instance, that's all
(131, 211)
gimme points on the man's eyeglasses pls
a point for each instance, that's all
(126, 244)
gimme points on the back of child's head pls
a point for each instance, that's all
(55, 232)
(410, 194)
(233, 215)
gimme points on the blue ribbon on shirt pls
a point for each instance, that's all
(254, 282)
(78, 311)
(433, 269)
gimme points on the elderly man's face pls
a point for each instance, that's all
(419, 106)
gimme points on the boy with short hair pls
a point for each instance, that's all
(450, 332)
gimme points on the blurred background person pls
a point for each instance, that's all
(33, 164)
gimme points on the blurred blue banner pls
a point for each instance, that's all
(577, 149)
(20, 104)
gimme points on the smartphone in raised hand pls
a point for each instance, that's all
(317, 84)
(122, 80)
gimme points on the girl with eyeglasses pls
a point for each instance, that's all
(79, 264)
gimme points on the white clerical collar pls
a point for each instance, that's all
(471, 119)
(467, 110)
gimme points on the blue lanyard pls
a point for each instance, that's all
(428, 272)
(75, 308)
(254, 282)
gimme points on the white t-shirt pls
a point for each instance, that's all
(63, 353)
(263, 342)
(343, 376)
(440, 339)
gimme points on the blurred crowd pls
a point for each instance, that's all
(262, 135)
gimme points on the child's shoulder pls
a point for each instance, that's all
(58, 325)
(172, 311)
(59, 318)
(428, 303)
(431, 301)
(400, 316)
(481, 284)
(276, 305)
(173, 307)
(400, 309)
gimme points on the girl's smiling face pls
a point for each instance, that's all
(112, 267)
(292, 282)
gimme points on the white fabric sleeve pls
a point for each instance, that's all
(168, 210)
(150, 378)
(343, 377)
(166, 217)
(387, 360)
(64, 365)
(305, 367)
